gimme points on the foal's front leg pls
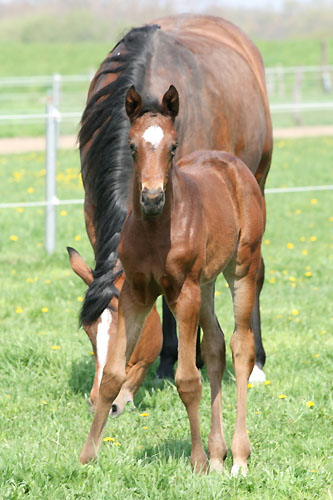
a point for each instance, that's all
(188, 379)
(131, 318)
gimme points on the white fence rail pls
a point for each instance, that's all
(53, 116)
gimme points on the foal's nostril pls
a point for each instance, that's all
(152, 201)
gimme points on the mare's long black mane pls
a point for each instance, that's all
(108, 164)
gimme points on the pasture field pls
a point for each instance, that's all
(46, 367)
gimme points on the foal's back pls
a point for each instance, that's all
(231, 201)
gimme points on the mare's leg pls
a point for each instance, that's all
(131, 318)
(169, 351)
(188, 379)
(242, 282)
(257, 374)
(213, 351)
(144, 354)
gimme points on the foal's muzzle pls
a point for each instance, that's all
(152, 201)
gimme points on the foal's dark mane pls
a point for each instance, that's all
(108, 162)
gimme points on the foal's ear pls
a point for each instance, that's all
(170, 102)
(133, 103)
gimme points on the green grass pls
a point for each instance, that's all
(44, 417)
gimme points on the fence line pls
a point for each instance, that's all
(56, 202)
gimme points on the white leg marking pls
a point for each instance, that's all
(153, 134)
(102, 340)
(257, 375)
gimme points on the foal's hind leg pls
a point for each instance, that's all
(243, 351)
(188, 379)
(130, 321)
(213, 350)
(257, 374)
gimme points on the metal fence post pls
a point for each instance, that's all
(50, 184)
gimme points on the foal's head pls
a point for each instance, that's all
(153, 142)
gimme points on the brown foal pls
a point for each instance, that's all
(103, 331)
(186, 224)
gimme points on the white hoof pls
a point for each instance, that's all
(216, 464)
(257, 375)
(236, 468)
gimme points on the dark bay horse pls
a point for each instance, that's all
(186, 224)
(220, 78)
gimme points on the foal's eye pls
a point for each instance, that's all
(173, 149)
(132, 148)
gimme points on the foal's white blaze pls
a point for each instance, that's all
(153, 134)
(257, 375)
(102, 340)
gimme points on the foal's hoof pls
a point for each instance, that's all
(200, 466)
(87, 455)
(236, 468)
(216, 464)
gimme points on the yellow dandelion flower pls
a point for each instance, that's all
(47, 282)
(290, 246)
(317, 355)
(310, 404)
(55, 347)
(79, 299)
(217, 293)
(13, 237)
(42, 333)
(282, 396)
(302, 238)
(67, 310)
(257, 412)
(139, 447)
(314, 470)
(305, 252)
(14, 271)
(145, 427)
(284, 272)
(77, 237)
(308, 274)
(292, 278)
(295, 312)
(313, 238)
(91, 353)
(272, 280)
(144, 414)
(331, 219)
(250, 386)
(227, 285)
(271, 271)
(45, 309)
(108, 439)
(30, 280)
(323, 332)
(293, 285)
(43, 402)
(63, 213)
(20, 210)
(314, 201)
(116, 444)
(267, 382)
(281, 144)
(267, 242)
(19, 310)
(30, 190)
(298, 211)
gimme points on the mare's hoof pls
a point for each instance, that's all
(257, 375)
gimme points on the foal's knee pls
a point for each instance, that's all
(189, 387)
